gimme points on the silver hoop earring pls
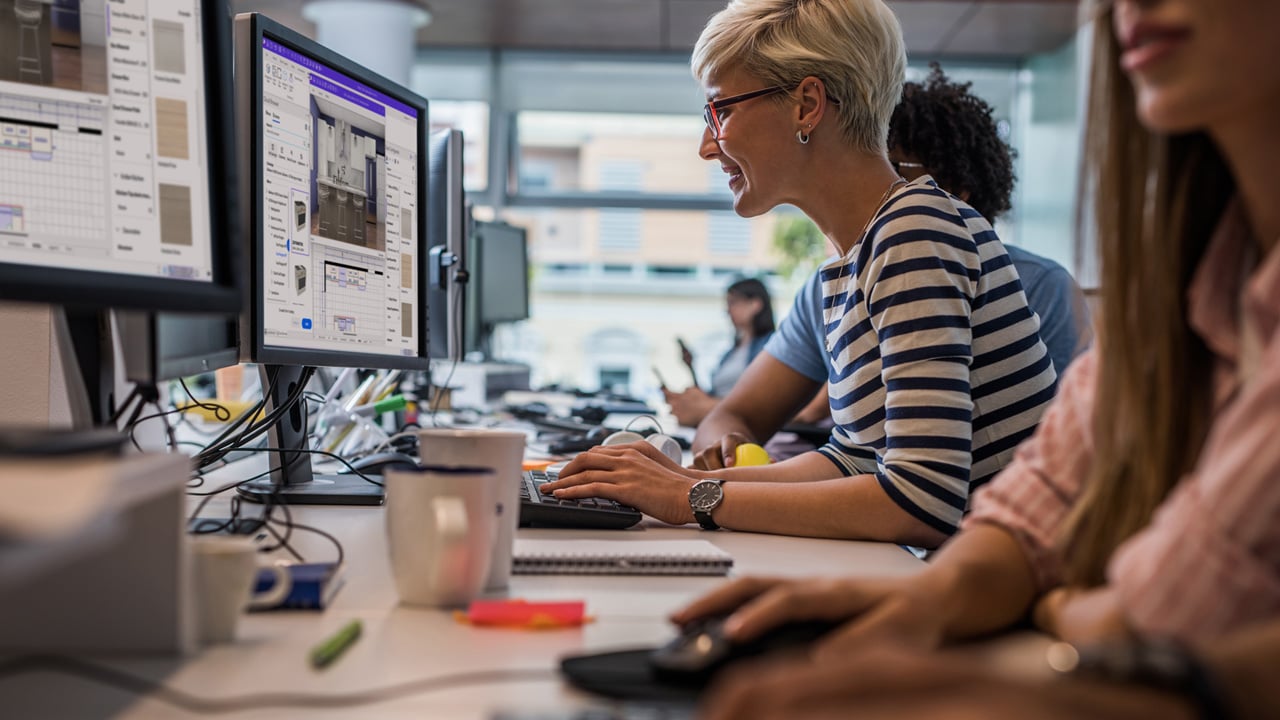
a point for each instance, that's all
(802, 138)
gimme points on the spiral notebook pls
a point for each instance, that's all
(619, 557)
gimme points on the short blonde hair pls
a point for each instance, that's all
(854, 46)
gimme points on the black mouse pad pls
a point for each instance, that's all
(625, 675)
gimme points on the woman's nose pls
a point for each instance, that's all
(709, 149)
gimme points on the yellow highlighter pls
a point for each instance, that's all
(750, 454)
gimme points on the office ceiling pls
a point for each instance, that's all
(932, 28)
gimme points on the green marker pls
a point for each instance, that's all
(329, 650)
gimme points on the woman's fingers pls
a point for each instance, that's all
(830, 600)
(725, 599)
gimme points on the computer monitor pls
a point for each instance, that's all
(116, 147)
(165, 346)
(448, 228)
(499, 281)
(115, 125)
(337, 185)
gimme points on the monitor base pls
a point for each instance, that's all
(322, 490)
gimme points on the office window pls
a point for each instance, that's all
(458, 84)
(671, 286)
(472, 118)
(608, 152)
(728, 233)
(619, 231)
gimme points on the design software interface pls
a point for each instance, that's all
(102, 143)
(340, 177)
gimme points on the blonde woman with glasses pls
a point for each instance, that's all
(1147, 506)
(938, 371)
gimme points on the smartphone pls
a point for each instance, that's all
(661, 383)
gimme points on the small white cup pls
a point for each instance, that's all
(502, 450)
(225, 568)
(441, 531)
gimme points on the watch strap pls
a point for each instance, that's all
(704, 520)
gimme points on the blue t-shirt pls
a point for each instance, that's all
(800, 343)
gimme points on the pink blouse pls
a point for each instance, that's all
(1209, 561)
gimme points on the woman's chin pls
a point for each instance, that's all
(748, 206)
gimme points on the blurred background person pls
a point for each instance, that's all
(750, 309)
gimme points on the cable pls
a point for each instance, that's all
(302, 451)
(124, 406)
(650, 418)
(127, 682)
(266, 423)
(220, 412)
(225, 439)
(459, 338)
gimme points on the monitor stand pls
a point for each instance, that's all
(293, 482)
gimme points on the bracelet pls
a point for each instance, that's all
(1157, 663)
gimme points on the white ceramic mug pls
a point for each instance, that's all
(441, 530)
(225, 570)
(502, 450)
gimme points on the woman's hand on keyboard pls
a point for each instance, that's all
(636, 474)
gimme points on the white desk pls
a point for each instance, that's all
(401, 644)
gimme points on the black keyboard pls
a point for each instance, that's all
(538, 510)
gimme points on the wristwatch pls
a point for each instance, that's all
(1157, 663)
(705, 496)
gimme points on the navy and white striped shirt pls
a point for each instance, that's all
(937, 368)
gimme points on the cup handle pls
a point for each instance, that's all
(278, 591)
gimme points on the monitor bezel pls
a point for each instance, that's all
(91, 289)
(253, 345)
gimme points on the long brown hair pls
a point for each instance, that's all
(1154, 201)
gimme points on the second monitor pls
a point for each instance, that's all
(499, 288)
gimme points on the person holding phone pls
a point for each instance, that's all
(750, 310)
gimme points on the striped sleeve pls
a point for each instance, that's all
(921, 277)
(1032, 497)
(920, 273)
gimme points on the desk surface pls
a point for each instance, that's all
(404, 644)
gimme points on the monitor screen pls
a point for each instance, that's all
(500, 271)
(338, 203)
(448, 228)
(114, 130)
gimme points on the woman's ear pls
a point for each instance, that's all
(813, 103)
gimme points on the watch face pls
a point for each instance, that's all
(705, 496)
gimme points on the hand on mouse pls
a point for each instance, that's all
(635, 474)
(895, 608)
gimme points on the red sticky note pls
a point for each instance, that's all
(521, 613)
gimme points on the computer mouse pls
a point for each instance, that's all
(378, 463)
(701, 650)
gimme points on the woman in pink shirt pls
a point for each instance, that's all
(1148, 502)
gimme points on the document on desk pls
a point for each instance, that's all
(619, 557)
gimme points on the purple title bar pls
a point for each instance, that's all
(319, 68)
(354, 98)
